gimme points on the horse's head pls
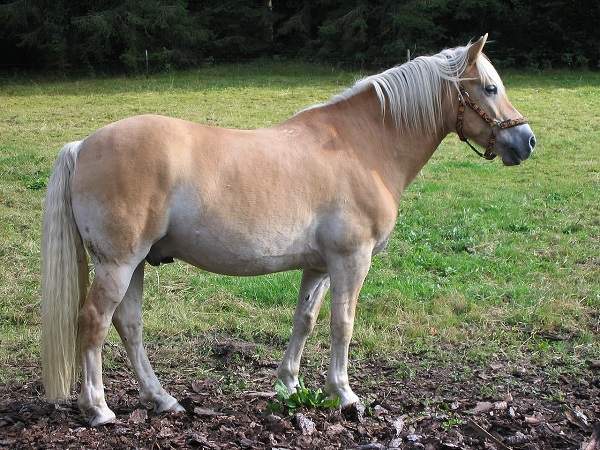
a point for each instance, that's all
(485, 114)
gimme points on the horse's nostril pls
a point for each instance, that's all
(532, 142)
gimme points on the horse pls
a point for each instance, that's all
(318, 192)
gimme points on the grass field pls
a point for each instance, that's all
(485, 260)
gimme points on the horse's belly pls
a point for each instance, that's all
(231, 255)
(233, 245)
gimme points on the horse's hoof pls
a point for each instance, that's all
(177, 408)
(290, 381)
(344, 393)
(169, 405)
(102, 418)
(291, 385)
(349, 400)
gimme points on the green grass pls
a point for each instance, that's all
(484, 260)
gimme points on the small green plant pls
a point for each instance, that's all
(451, 423)
(303, 397)
(38, 184)
(488, 391)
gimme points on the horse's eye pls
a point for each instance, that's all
(491, 89)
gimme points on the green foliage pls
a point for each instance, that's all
(115, 35)
(451, 423)
(240, 29)
(37, 184)
(290, 402)
(104, 34)
(378, 33)
(165, 29)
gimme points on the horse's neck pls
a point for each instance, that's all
(396, 154)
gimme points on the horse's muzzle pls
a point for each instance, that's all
(516, 144)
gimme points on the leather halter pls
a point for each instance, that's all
(465, 100)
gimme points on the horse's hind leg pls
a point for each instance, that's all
(128, 322)
(107, 290)
(312, 290)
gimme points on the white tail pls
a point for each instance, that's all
(64, 280)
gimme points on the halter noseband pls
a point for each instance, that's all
(465, 100)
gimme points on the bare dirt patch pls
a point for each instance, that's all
(501, 405)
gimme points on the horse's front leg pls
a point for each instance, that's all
(313, 288)
(347, 274)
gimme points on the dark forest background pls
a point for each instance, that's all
(114, 35)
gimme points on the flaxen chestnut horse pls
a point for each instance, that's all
(318, 192)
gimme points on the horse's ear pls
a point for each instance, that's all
(475, 49)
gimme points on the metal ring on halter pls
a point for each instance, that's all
(465, 100)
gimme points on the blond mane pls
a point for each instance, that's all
(413, 92)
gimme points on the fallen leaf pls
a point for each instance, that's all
(197, 439)
(304, 424)
(371, 446)
(398, 425)
(577, 418)
(336, 429)
(138, 416)
(245, 442)
(517, 439)
(165, 432)
(268, 394)
(414, 437)
(500, 406)
(206, 412)
(482, 408)
(379, 411)
(395, 443)
(580, 415)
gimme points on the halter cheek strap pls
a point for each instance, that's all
(465, 100)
